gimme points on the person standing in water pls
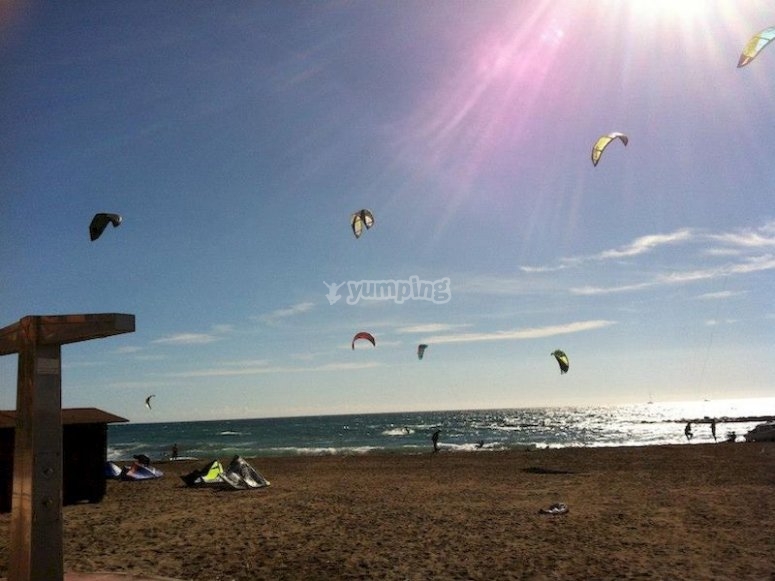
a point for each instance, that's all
(713, 429)
(435, 440)
(688, 431)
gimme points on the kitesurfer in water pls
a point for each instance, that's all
(713, 428)
(435, 440)
(688, 431)
(174, 451)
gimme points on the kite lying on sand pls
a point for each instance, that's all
(556, 508)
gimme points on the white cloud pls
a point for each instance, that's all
(599, 290)
(733, 243)
(640, 245)
(127, 349)
(261, 369)
(430, 328)
(714, 322)
(195, 338)
(762, 237)
(532, 269)
(291, 311)
(646, 244)
(720, 295)
(187, 339)
(754, 264)
(150, 357)
(521, 334)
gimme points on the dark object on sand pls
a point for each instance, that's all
(556, 508)
(762, 433)
(142, 459)
(539, 470)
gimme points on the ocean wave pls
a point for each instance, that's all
(324, 451)
(405, 431)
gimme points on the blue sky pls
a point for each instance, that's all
(236, 140)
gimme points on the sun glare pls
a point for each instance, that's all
(685, 10)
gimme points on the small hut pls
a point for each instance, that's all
(84, 453)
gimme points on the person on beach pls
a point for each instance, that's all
(688, 431)
(435, 440)
(713, 429)
(174, 451)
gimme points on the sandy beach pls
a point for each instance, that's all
(661, 512)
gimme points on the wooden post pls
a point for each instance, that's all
(36, 511)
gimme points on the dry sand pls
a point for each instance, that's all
(661, 512)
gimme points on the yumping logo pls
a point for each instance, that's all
(413, 289)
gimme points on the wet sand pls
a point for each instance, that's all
(662, 512)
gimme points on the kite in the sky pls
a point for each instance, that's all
(421, 350)
(148, 401)
(360, 220)
(602, 143)
(100, 222)
(364, 335)
(755, 45)
(562, 361)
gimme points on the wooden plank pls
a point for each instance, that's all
(62, 329)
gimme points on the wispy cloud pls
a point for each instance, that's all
(501, 286)
(720, 295)
(291, 311)
(150, 357)
(645, 244)
(640, 245)
(543, 268)
(762, 237)
(216, 333)
(430, 328)
(522, 334)
(344, 366)
(262, 369)
(754, 264)
(187, 339)
(127, 349)
(730, 244)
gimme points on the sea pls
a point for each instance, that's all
(472, 431)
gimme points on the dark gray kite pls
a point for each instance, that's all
(100, 222)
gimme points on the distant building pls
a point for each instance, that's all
(84, 453)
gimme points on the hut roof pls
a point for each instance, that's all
(69, 416)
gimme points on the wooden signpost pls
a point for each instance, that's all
(36, 511)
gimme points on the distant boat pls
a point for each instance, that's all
(762, 433)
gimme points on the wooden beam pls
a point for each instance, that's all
(62, 329)
(36, 546)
